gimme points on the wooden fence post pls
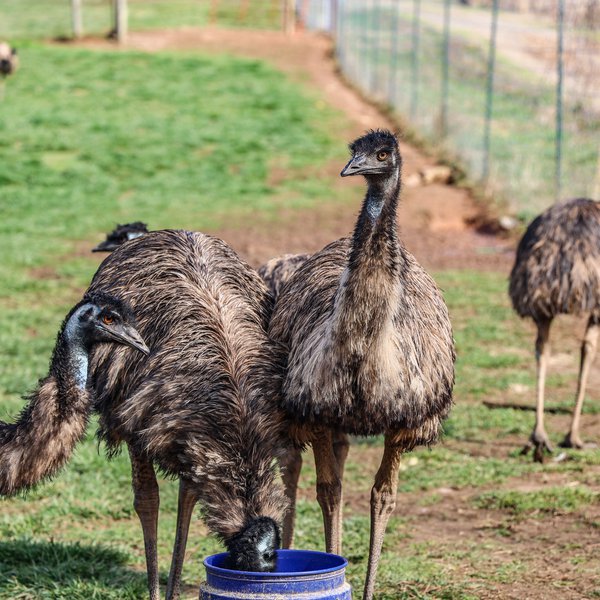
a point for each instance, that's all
(121, 20)
(76, 19)
(288, 13)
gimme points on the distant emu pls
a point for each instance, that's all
(120, 235)
(42, 440)
(9, 61)
(557, 271)
(370, 347)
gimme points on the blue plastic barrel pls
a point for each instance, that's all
(300, 575)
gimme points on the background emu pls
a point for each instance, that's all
(120, 235)
(41, 441)
(370, 346)
(204, 406)
(557, 271)
(9, 61)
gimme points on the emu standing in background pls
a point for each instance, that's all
(204, 407)
(370, 346)
(557, 271)
(120, 235)
(42, 440)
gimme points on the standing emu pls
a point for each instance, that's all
(204, 407)
(557, 271)
(370, 346)
(42, 440)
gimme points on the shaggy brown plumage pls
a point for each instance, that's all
(557, 271)
(370, 343)
(277, 271)
(42, 440)
(557, 267)
(204, 405)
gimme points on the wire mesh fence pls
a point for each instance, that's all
(514, 95)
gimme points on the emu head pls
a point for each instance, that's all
(375, 154)
(254, 548)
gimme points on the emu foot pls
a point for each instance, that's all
(574, 441)
(540, 444)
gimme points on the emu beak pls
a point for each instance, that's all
(355, 166)
(129, 336)
(105, 246)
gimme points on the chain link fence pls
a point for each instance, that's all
(510, 89)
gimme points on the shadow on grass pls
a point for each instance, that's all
(74, 571)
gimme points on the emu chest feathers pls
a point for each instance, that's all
(366, 354)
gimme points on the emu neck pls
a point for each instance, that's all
(70, 363)
(365, 297)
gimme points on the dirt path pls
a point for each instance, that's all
(434, 218)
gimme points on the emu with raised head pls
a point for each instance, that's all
(370, 346)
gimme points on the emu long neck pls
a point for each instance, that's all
(364, 299)
(70, 360)
(42, 439)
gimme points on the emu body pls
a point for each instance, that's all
(204, 406)
(557, 271)
(370, 346)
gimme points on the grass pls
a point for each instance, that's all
(105, 140)
(23, 20)
(553, 500)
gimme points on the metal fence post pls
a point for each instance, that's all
(490, 93)
(393, 83)
(445, 70)
(415, 59)
(559, 97)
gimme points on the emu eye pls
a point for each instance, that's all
(108, 319)
(382, 155)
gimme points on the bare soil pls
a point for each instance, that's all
(434, 222)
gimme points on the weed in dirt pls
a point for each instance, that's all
(553, 500)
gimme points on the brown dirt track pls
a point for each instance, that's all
(434, 227)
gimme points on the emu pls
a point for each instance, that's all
(557, 271)
(370, 347)
(9, 60)
(42, 440)
(204, 406)
(120, 235)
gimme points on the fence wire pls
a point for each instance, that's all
(514, 96)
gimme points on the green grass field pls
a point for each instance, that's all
(104, 140)
(23, 20)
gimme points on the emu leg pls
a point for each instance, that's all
(383, 502)
(291, 466)
(539, 440)
(329, 489)
(146, 503)
(188, 496)
(341, 446)
(588, 353)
